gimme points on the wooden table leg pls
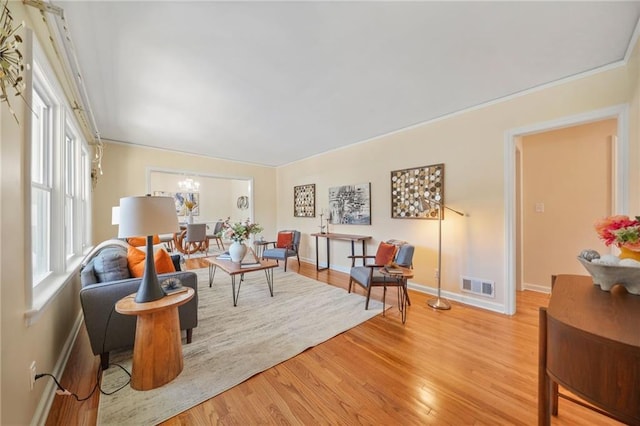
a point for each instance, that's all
(157, 353)
(544, 383)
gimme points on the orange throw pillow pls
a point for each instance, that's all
(163, 262)
(142, 241)
(385, 254)
(284, 239)
(136, 258)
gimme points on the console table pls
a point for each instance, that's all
(344, 237)
(589, 343)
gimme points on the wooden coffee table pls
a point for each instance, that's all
(235, 269)
(157, 350)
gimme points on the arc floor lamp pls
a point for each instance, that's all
(439, 302)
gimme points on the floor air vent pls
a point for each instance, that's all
(479, 286)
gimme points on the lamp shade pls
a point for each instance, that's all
(146, 215)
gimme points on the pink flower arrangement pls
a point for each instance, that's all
(620, 230)
(239, 231)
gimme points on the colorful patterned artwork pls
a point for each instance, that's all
(350, 204)
(417, 193)
(179, 198)
(304, 200)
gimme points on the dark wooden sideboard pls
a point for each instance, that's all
(590, 345)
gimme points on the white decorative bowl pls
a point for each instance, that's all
(606, 276)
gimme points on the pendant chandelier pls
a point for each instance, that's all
(189, 185)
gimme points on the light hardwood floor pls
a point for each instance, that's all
(465, 366)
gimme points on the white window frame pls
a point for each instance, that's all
(71, 199)
(64, 259)
(85, 197)
(42, 184)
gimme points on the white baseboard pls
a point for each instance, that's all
(458, 297)
(536, 288)
(42, 410)
(462, 298)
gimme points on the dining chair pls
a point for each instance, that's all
(194, 239)
(215, 235)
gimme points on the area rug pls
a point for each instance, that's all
(231, 344)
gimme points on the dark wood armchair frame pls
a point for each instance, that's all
(293, 246)
(372, 283)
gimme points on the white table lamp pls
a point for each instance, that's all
(147, 216)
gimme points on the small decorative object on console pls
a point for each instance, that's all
(606, 275)
(608, 270)
(623, 232)
(589, 254)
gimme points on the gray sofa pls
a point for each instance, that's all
(105, 280)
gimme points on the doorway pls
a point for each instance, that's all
(218, 197)
(515, 197)
(566, 184)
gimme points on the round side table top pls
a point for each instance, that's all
(406, 273)
(128, 306)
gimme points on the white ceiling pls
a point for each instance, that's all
(274, 82)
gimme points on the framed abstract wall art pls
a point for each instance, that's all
(181, 197)
(304, 200)
(416, 192)
(350, 204)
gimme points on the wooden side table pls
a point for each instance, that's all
(400, 281)
(157, 350)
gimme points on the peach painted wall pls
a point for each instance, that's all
(45, 340)
(567, 172)
(471, 145)
(125, 173)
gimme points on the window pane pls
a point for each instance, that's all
(40, 233)
(84, 198)
(69, 186)
(70, 165)
(39, 141)
(68, 226)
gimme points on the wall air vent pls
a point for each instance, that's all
(478, 286)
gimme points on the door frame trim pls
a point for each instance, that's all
(621, 179)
